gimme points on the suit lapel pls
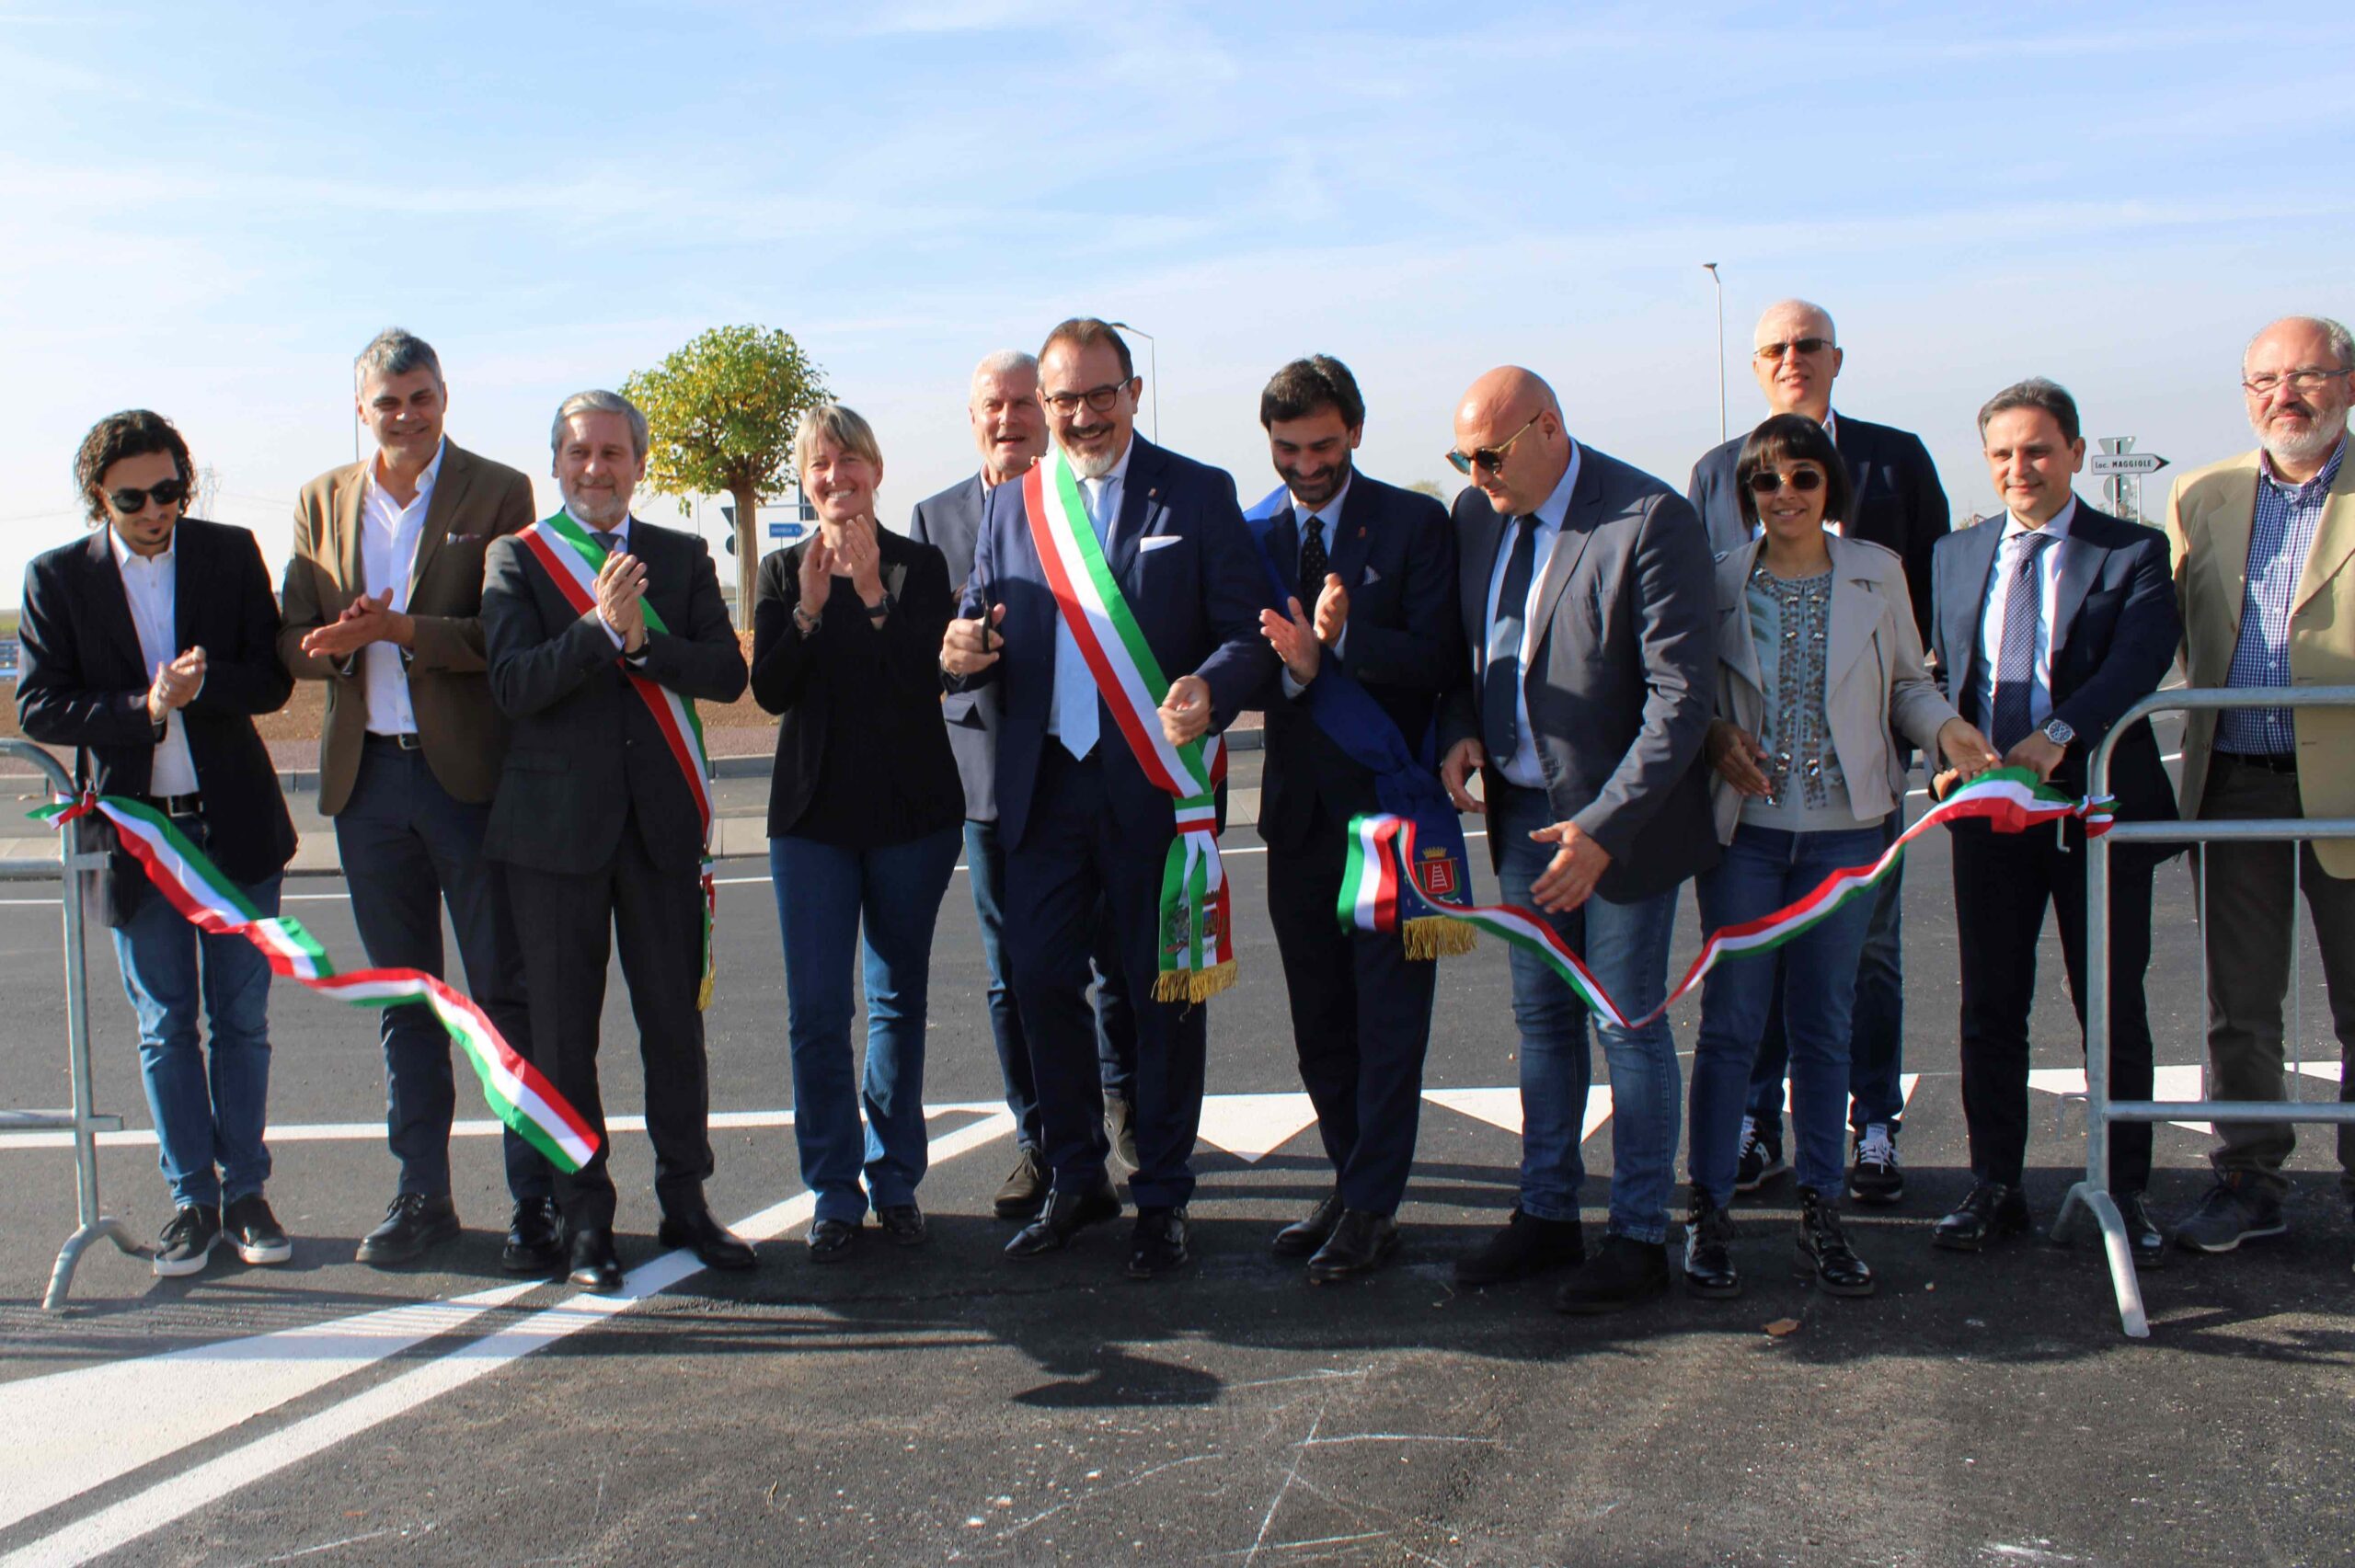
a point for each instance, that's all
(113, 605)
(1848, 439)
(1352, 539)
(349, 498)
(1976, 564)
(189, 566)
(1140, 497)
(1735, 644)
(1854, 612)
(2081, 560)
(1483, 532)
(2232, 516)
(1569, 544)
(2333, 538)
(450, 489)
(1283, 544)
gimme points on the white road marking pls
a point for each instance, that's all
(1501, 1107)
(2168, 1083)
(1249, 1127)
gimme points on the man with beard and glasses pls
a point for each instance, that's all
(1010, 428)
(1379, 566)
(598, 822)
(2264, 548)
(1141, 557)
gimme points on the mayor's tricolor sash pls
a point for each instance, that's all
(572, 560)
(209, 900)
(1406, 783)
(1197, 942)
(1375, 895)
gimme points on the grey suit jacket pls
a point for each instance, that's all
(1621, 672)
(951, 524)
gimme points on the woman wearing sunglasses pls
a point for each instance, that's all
(1818, 661)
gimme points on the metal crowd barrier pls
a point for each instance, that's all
(81, 1120)
(2093, 1193)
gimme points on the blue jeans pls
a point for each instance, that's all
(210, 1104)
(1763, 870)
(1624, 946)
(825, 894)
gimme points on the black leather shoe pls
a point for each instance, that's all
(1708, 1251)
(1991, 1212)
(902, 1224)
(1158, 1244)
(831, 1239)
(1359, 1243)
(413, 1224)
(1065, 1214)
(1025, 1189)
(1825, 1248)
(1625, 1272)
(2144, 1236)
(711, 1242)
(534, 1242)
(1303, 1237)
(1120, 1129)
(1526, 1246)
(596, 1267)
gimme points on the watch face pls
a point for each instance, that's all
(2059, 733)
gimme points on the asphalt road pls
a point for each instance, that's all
(950, 1404)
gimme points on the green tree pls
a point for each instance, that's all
(722, 411)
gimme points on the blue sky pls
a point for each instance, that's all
(208, 210)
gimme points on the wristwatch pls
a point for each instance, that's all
(803, 621)
(2058, 732)
(881, 606)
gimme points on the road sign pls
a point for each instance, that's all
(785, 530)
(2128, 463)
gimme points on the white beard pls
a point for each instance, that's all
(2316, 442)
(602, 512)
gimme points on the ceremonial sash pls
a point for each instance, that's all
(192, 884)
(1375, 895)
(572, 560)
(1196, 943)
(1406, 781)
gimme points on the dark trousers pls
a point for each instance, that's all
(1116, 1026)
(2003, 882)
(1078, 869)
(568, 922)
(1361, 1020)
(408, 848)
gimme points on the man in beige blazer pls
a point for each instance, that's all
(2264, 551)
(383, 601)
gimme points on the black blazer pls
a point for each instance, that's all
(83, 684)
(584, 756)
(951, 522)
(1392, 549)
(2115, 630)
(886, 679)
(1900, 504)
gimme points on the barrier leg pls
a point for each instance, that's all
(61, 1278)
(2122, 1277)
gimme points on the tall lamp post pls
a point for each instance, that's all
(1711, 267)
(1153, 372)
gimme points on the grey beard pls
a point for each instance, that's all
(575, 505)
(2314, 443)
(1093, 465)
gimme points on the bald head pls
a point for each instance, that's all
(1009, 426)
(1796, 378)
(1509, 415)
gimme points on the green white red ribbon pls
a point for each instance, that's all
(1196, 941)
(1376, 893)
(192, 884)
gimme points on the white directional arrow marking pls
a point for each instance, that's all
(1501, 1107)
(1250, 1127)
(2168, 1083)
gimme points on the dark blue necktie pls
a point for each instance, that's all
(1313, 564)
(2015, 671)
(1501, 685)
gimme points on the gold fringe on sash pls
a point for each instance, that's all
(1435, 936)
(1194, 985)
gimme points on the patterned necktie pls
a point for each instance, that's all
(1501, 685)
(1313, 564)
(2015, 673)
(608, 543)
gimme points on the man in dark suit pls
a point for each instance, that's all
(149, 649)
(1898, 503)
(1585, 590)
(1378, 564)
(1085, 830)
(2052, 621)
(1009, 426)
(601, 823)
(384, 602)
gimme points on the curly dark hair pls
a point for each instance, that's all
(134, 432)
(1793, 438)
(1305, 385)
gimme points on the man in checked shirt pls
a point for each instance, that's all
(2264, 548)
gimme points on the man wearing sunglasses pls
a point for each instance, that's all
(1586, 594)
(1897, 503)
(384, 603)
(149, 649)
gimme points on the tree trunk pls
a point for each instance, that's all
(748, 551)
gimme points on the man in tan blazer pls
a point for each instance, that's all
(2264, 550)
(383, 602)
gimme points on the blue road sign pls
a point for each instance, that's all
(785, 530)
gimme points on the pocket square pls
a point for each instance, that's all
(1159, 541)
(460, 538)
(1372, 577)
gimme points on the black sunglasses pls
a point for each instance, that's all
(1491, 458)
(1765, 482)
(1804, 345)
(131, 500)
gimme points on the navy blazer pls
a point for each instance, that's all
(83, 684)
(1392, 550)
(1900, 504)
(951, 524)
(1197, 599)
(2115, 630)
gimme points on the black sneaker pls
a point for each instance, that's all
(1762, 1156)
(187, 1242)
(1625, 1273)
(412, 1223)
(1708, 1252)
(1825, 1248)
(1875, 1176)
(1526, 1246)
(250, 1227)
(901, 1223)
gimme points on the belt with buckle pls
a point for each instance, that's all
(406, 739)
(2271, 761)
(177, 805)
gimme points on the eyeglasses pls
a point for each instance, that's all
(1806, 481)
(2306, 379)
(130, 501)
(1491, 458)
(1803, 345)
(1099, 399)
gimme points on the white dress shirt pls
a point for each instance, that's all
(1522, 768)
(1331, 515)
(1991, 618)
(150, 583)
(389, 533)
(1073, 683)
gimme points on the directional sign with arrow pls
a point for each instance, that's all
(2128, 463)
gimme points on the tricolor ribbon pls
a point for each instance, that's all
(1376, 893)
(192, 884)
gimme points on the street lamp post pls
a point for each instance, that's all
(1711, 267)
(1153, 372)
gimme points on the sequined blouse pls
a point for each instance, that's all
(1790, 626)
